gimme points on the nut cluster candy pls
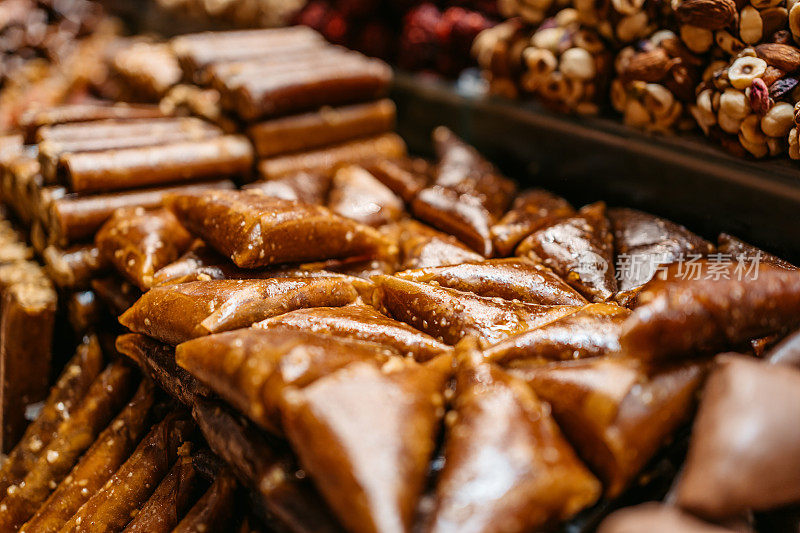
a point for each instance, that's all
(749, 105)
(530, 11)
(727, 25)
(562, 63)
(622, 21)
(655, 80)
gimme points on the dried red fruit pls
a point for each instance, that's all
(759, 96)
(781, 87)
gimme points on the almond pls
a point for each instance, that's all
(650, 66)
(708, 14)
(782, 56)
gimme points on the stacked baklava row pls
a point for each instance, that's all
(415, 346)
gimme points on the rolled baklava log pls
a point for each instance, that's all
(748, 106)
(655, 80)
(27, 324)
(266, 73)
(33, 121)
(321, 128)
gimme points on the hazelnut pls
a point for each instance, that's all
(704, 101)
(530, 81)
(618, 95)
(758, 150)
(667, 120)
(728, 42)
(742, 72)
(577, 63)
(751, 27)
(727, 123)
(734, 104)
(632, 27)
(548, 38)
(627, 7)
(555, 87)
(779, 120)
(531, 15)
(636, 114)
(660, 36)
(540, 61)
(794, 21)
(623, 59)
(776, 145)
(750, 129)
(507, 8)
(565, 17)
(698, 40)
(712, 69)
(658, 99)
(540, 5)
(794, 144)
(703, 119)
(589, 41)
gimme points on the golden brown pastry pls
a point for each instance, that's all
(303, 186)
(580, 249)
(365, 434)
(745, 451)
(358, 195)
(161, 512)
(399, 177)
(449, 315)
(422, 246)
(323, 127)
(177, 313)
(514, 278)
(690, 313)
(215, 509)
(360, 322)
(645, 242)
(736, 248)
(531, 210)
(280, 488)
(255, 230)
(250, 368)
(507, 467)
(138, 242)
(109, 391)
(613, 413)
(591, 332)
(467, 195)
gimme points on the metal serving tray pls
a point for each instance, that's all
(683, 178)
